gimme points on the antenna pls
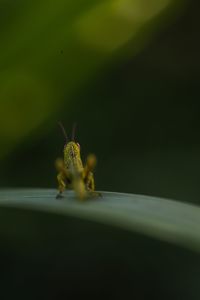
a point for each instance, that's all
(73, 131)
(63, 130)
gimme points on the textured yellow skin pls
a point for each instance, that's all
(73, 175)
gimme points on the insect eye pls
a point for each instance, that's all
(78, 145)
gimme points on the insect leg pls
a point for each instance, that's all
(90, 186)
(61, 184)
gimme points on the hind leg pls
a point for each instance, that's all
(90, 186)
(61, 185)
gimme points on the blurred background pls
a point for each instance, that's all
(127, 71)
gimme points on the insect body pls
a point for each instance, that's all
(72, 174)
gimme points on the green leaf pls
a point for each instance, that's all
(166, 220)
(121, 244)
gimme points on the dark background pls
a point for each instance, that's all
(136, 105)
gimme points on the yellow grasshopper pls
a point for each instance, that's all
(71, 172)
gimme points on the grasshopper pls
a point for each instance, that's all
(71, 172)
